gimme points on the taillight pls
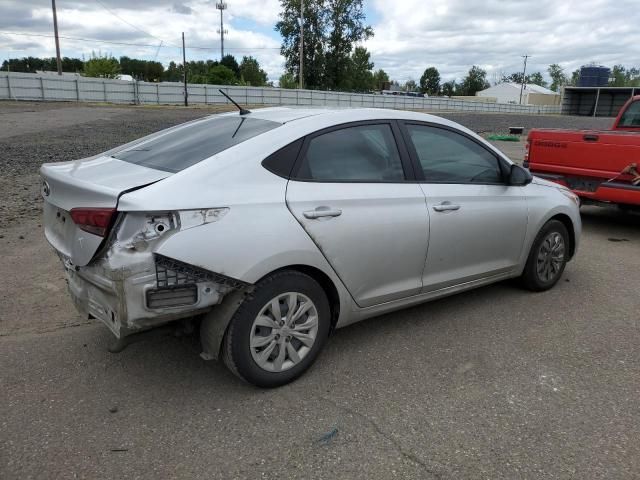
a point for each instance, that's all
(93, 220)
(525, 164)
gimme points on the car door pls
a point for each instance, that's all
(349, 191)
(477, 221)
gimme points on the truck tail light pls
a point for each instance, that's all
(93, 220)
(525, 164)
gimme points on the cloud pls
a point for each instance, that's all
(410, 35)
(182, 9)
(456, 34)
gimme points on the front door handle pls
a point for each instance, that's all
(446, 207)
(322, 212)
(590, 137)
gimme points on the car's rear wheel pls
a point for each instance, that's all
(277, 332)
(547, 258)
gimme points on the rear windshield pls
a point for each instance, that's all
(631, 116)
(191, 144)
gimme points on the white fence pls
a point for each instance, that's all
(29, 86)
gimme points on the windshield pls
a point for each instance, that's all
(631, 116)
(187, 146)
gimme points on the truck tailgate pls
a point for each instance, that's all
(591, 153)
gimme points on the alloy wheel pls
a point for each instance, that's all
(283, 332)
(550, 257)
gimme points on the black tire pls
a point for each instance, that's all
(236, 349)
(531, 277)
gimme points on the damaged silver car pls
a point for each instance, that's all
(274, 227)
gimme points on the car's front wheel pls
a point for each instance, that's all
(547, 258)
(277, 332)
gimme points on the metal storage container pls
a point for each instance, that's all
(594, 76)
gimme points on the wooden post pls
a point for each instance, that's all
(158, 93)
(184, 73)
(104, 90)
(42, 87)
(77, 90)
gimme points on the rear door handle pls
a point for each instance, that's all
(322, 212)
(590, 138)
(446, 207)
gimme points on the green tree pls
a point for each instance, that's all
(430, 81)
(345, 27)
(210, 72)
(558, 78)
(475, 81)
(624, 77)
(331, 28)
(230, 62)
(449, 88)
(575, 78)
(31, 64)
(360, 75)
(173, 73)
(287, 80)
(315, 18)
(251, 73)
(410, 86)
(101, 66)
(536, 78)
(380, 79)
(141, 69)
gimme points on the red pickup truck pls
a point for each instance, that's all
(598, 165)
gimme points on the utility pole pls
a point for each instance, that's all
(301, 44)
(524, 76)
(184, 72)
(222, 6)
(55, 32)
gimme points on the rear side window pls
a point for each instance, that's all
(631, 116)
(448, 157)
(193, 143)
(363, 153)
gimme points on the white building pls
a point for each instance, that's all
(532, 94)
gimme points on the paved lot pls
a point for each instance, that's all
(495, 383)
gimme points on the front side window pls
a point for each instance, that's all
(631, 116)
(364, 153)
(448, 157)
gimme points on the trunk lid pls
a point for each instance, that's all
(94, 183)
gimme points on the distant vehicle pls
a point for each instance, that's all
(279, 225)
(403, 93)
(598, 165)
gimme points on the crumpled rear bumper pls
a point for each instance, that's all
(136, 297)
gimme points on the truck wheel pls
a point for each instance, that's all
(547, 258)
(277, 332)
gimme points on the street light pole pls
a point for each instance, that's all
(524, 78)
(301, 44)
(55, 32)
(222, 6)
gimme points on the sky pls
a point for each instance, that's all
(410, 35)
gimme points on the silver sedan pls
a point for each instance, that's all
(272, 228)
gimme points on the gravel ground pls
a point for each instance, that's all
(496, 383)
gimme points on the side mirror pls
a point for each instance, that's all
(519, 176)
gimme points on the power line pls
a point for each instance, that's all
(128, 23)
(95, 40)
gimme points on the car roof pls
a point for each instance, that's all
(339, 114)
